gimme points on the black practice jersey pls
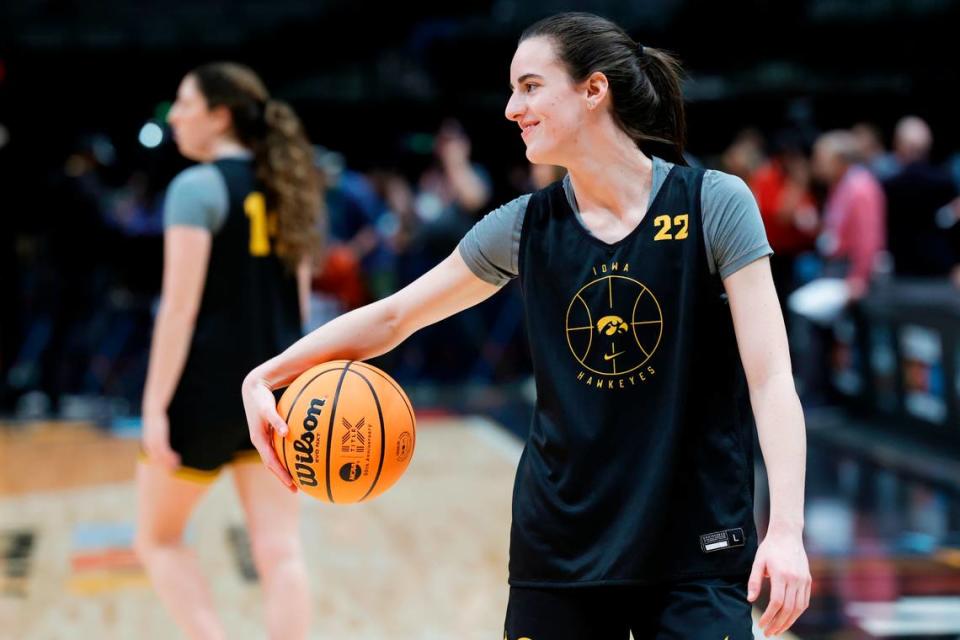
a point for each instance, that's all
(638, 467)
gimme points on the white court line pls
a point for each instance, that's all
(909, 616)
(495, 435)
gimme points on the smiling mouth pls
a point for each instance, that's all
(527, 128)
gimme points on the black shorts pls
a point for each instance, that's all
(209, 430)
(207, 449)
(705, 609)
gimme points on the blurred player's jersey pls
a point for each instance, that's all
(249, 311)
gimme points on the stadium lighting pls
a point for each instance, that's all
(151, 135)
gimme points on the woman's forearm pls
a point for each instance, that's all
(372, 330)
(172, 335)
(783, 441)
(358, 335)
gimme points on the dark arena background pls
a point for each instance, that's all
(383, 89)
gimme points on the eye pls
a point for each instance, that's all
(529, 87)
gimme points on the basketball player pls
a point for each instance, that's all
(656, 338)
(237, 243)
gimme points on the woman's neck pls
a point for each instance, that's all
(612, 175)
(228, 147)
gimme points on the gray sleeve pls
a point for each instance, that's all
(492, 246)
(733, 228)
(197, 197)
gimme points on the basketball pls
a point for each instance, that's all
(352, 431)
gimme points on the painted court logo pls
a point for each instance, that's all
(614, 325)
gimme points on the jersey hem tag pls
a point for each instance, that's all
(719, 540)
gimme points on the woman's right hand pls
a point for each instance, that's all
(262, 420)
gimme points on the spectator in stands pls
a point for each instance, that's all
(450, 193)
(61, 291)
(873, 155)
(782, 189)
(356, 249)
(854, 216)
(744, 155)
(529, 177)
(449, 196)
(921, 223)
(851, 242)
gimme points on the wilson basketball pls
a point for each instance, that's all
(352, 431)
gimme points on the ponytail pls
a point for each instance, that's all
(667, 134)
(284, 164)
(282, 154)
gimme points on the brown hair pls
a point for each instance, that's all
(282, 153)
(644, 82)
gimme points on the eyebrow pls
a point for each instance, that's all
(526, 77)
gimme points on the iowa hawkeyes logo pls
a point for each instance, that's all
(627, 331)
(612, 325)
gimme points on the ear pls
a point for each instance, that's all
(222, 118)
(596, 89)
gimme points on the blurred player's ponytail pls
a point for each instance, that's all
(282, 153)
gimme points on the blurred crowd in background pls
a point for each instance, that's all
(412, 148)
(862, 204)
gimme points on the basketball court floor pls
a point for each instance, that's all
(427, 560)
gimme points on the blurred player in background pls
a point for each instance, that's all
(238, 241)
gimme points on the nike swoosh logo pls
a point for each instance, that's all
(611, 356)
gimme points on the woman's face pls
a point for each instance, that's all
(544, 101)
(196, 128)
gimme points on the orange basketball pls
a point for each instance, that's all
(352, 431)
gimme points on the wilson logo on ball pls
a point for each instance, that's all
(303, 445)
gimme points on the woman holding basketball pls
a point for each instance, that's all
(656, 338)
(239, 236)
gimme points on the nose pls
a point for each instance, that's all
(515, 108)
(173, 114)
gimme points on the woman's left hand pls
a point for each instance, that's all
(781, 558)
(156, 440)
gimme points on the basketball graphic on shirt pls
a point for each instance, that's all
(614, 325)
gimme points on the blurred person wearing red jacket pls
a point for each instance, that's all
(782, 189)
(854, 214)
(853, 237)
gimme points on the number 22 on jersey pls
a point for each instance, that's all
(263, 225)
(664, 223)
